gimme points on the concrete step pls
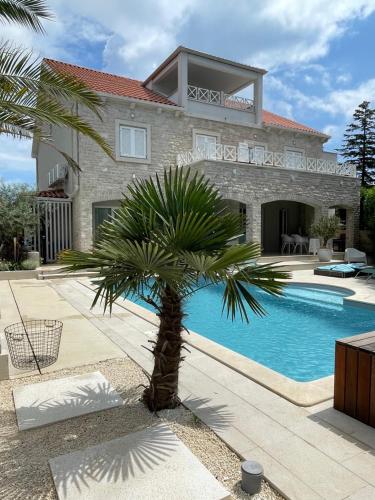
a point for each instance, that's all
(62, 274)
(269, 259)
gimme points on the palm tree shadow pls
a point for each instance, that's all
(85, 399)
(113, 461)
(215, 416)
(24, 456)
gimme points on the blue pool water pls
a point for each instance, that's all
(296, 338)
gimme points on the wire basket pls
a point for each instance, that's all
(42, 342)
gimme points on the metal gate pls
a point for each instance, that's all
(54, 229)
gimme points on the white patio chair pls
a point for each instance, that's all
(354, 255)
(300, 242)
(286, 241)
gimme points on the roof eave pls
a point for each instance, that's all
(109, 95)
(181, 48)
(299, 131)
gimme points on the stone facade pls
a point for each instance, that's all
(103, 179)
(255, 186)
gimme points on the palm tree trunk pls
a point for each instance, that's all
(162, 392)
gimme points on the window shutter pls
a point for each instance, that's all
(125, 141)
(243, 152)
(140, 142)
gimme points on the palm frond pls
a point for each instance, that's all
(22, 72)
(46, 111)
(25, 12)
(31, 94)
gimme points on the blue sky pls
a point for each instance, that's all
(319, 54)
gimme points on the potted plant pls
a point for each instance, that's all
(325, 229)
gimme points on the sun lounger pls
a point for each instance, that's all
(340, 270)
(369, 270)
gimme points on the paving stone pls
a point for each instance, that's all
(367, 493)
(363, 465)
(281, 477)
(55, 400)
(152, 464)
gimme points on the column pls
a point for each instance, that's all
(182, 75)
(254, 223)
(352, 227)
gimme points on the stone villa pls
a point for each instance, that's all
(202, 110)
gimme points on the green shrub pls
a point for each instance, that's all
(4, 265)
(325, 228)
(29, 265)
(368, 205)
(17, 218)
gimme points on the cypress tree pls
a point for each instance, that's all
(359, 143)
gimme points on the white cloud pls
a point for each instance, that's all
(336, 102)
(337, 105)
(344, 78)
(306, 29)
(138, 35)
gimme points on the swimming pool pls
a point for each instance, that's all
(296, 338)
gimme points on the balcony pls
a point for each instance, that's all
(57, 175)
(220, 105)
(218, 98)
(246, 155)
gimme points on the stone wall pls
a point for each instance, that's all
(103, 179)
(254, 186)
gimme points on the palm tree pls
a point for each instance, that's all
(170, 238)
(33, 94)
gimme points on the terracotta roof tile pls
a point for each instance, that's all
(128, 87)
(279, 121)
(109, 84)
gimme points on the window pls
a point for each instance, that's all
(101, 214)
(133, 142)
(206, 142)
(294, 158)
(257, 154)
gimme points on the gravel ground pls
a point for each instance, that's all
(24, 470)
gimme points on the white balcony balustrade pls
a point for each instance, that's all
(219, 98)
(57, 174)
(244, 154)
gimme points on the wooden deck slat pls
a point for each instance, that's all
(363, 386)
(339, 390)
(372, 394)
(351, 374)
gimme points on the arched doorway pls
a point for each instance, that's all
(339, 241)
(284, 217)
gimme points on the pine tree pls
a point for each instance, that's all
(359, 143)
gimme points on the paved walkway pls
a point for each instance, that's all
(81, 343)
(308, 453)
